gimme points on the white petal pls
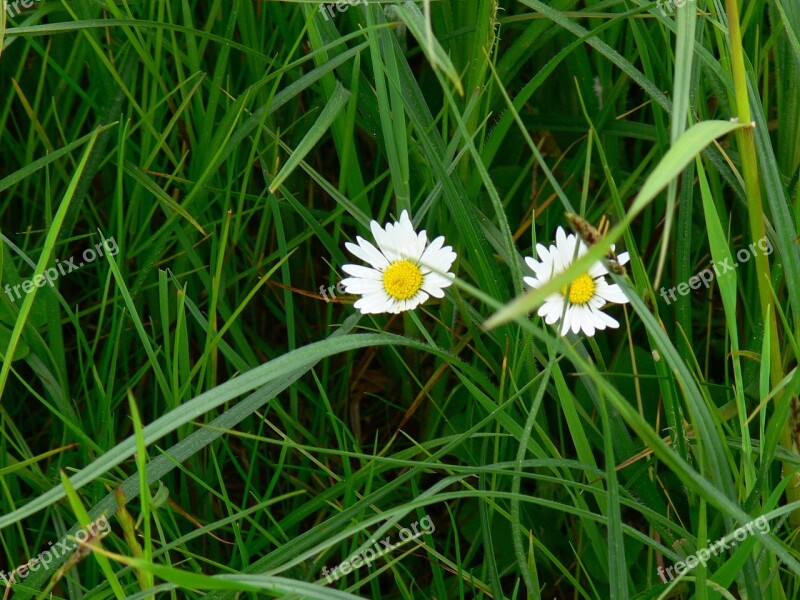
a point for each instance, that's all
(561, 238)
(531, 282)
(589, 319)
(419, 298)
(596, 302)
(401, 243)
(357, 285)
(544, 253)
(384, 241)
(598, 319)
(368, 253)
(404, 224)
(396, 306)
(362, 272)
(551, 310)
(431, 251)
(433, 284)
(390, 242)
(404, 239)
(566, 324)
(588, 327)
(598, 269)
(419, 249)
(610, 292)
(436, 257)
(373, 304)
(532, 263)
(543, 270)
(411, 244)
(608, 320)
(552, 317)
(579, 318)
(566, 252)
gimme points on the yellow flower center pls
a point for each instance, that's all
(402, 279)
(581, 290)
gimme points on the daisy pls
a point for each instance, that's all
(580, 301)
(404, 269)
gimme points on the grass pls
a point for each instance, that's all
(243, 435)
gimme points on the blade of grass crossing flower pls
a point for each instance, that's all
(671, 166)
(623, 444)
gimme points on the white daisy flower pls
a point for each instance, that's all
(404, 269)
(580, 301)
